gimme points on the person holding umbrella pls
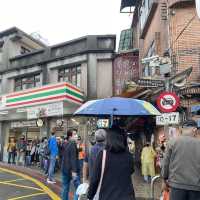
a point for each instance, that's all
(111, 178)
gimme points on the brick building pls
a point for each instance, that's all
(168, 29)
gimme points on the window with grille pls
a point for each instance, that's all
(70, 74)
(126, 40)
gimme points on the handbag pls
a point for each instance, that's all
(96, 197)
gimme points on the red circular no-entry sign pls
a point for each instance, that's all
(168, 102)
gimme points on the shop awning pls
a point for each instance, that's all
(127, 3)
(45, 94)
(46, 101)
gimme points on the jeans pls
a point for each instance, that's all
(176, 194)
(11, 155)
(66, 179)
(21, 158)
(52, 163)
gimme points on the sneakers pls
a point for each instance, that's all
(51, 181)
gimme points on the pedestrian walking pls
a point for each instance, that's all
(11, 150)
(33, 152)
(59, 160)
(91, 155)
(46, 156)
(21, 151)
(86, 167)
(148, 162)
(111, 179)
(81, 153)
(181, 164)
(70, 165)
(53, 150)
(41, 153)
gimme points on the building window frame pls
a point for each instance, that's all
(148, 71)
(71, 74)
(146, 13)
(27, 82)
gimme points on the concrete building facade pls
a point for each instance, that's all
(50, 83)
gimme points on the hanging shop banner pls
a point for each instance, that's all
(49, 110)
(168, 102)
(167, 118)
(21, 124)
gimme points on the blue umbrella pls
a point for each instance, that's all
(117, 106)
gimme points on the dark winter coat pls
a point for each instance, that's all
(117, 181)
(70, 158)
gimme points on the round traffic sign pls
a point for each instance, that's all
(168, 102)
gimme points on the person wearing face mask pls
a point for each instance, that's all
(181, 165)
(70, 165)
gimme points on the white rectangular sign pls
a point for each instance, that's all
(168, 118)
(103, 123)
(54, 109)
(20, 124)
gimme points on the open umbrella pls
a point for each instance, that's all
(117, 106)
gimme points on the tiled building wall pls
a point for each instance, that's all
(185, 39)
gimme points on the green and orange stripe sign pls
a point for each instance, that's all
(43, 95)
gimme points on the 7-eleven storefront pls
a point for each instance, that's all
(33, 113)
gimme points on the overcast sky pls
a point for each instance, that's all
(63, 20)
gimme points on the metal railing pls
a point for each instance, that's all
(153, 181)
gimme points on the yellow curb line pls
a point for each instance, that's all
(11, 181)
(31, 195)
(21, 186)
(51, 194)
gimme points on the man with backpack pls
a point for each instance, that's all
(53, 150)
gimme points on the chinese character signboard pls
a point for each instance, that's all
(167, 118)
(150, 83)
(54, 109)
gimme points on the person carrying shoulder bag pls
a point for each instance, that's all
(114, 166)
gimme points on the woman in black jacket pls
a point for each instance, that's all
(119, 166)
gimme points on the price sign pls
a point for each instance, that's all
(168, 118)
(103, 123)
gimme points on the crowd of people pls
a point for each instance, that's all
(107, 164)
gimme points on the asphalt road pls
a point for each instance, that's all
(14, 186)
